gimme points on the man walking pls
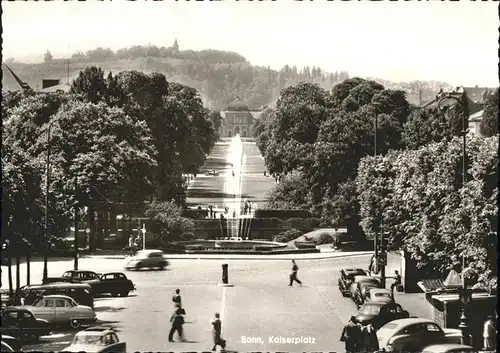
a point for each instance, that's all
(351, 335)
(177, 320)
(176, 299)
(489, 335)
(217, 333)
(293, 276)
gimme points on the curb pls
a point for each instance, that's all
(241, 257)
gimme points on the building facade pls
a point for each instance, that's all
(238, 119)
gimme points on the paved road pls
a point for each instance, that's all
(216, 190)
(259, 306)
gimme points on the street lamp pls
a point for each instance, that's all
(46, 250)
(465, 294)
(143, 230)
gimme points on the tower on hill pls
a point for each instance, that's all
(175, 47)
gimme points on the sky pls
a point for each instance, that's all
(454, 42)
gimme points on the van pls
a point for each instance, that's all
(80, 292)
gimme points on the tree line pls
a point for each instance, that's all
(323, 144)
(117, 142)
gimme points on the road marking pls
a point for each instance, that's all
(223, 309)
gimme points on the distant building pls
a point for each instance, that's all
(238, 119)
(475, 122)
(474, 106)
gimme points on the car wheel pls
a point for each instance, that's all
(124, 293)
(138, 266)
(114, 294)
(75, 323)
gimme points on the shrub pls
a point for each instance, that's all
(282, 214)
(287, 236)
(324, 239)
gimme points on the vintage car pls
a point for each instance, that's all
(147, 259)
(11, 344)
(413, 334)
(115, 283)
(82, 293)
(378, 295)
(21, 323)
(380, 313)
(77, 276)
(361, 288)
(96, 339)
(362, 279)
(347, 277)
(62, 310)
(449, 348)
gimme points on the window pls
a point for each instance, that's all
(410, 330)
(369, 310)
(67, 275)
(120, 276)
(11, 315)
(68, 304)
(109, 339)
(48, 303)
(115, 337)
(60, 303)
(432, 328)
(399, 309)
(108, 277)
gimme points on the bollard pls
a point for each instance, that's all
(225, 279)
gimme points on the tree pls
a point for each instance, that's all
(289, 194)
(489, 124)
(425, 126)
(168, 216)
(47, 57)
(90, 85)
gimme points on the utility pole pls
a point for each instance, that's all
(76, 225)
(375, 245)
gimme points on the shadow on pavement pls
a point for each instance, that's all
(107, 308)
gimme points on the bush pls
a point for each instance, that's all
(324, 239)
(305, 224)
(287, 236)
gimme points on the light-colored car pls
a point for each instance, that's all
(147, 259)
(412, 334)
(96, 340)
(62, 310)
(449, 348)
(379, 295)
(362, 279)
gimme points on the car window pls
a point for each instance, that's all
(154, 254)
(67, 274)
(369, 310)
(399, 309)
(120, 276)
(382, 295)
(48, 303)
(432, 328)
(60, 303)
(109, 339)
(12, 315)
(27, 315)
(107, 277)
(68, 304)
(410, 330)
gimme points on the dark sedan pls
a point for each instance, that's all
(115, 283)
(21, 323)
(361, 290)
(347, 278)
(380, 313)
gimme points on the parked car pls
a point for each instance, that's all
(96, 339)
(347, 277)
(82, 293)
(22, 324)
(147, 259)
(380, 313)
(77, 276)
(362, 279)
(62, 310)
(413, 334)
(11, 344)
(115, 283)
(449, 348)
(361, 290)
(378, 295)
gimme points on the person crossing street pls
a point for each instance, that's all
(217, 333)
(293, 276)
(177, 321)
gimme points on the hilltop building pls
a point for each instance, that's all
(175, 47)
(238, 119)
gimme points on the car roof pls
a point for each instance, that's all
(354, 270)
(80, 271)
(365, 278)
(97, 330)
(380, 290)
(59, 284)
(379, 304)
(410, 321)
(56, 296)
(113, 273)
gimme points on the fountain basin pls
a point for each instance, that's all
(202, 244)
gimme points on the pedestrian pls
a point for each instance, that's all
(137, 242)
(176, 299)
(211, 210)
(131, 245)
(350, 336)
(176, 320)
(370, 339)
(293, 276)
(397, 281)
(489, 334)
(371, 266)
(217, 333)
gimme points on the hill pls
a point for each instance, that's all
(219, 76)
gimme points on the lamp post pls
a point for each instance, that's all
(143, 230)
(465, 294)
(47, 185)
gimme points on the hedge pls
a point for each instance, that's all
(282, 214)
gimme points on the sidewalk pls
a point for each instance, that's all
(306, 256)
